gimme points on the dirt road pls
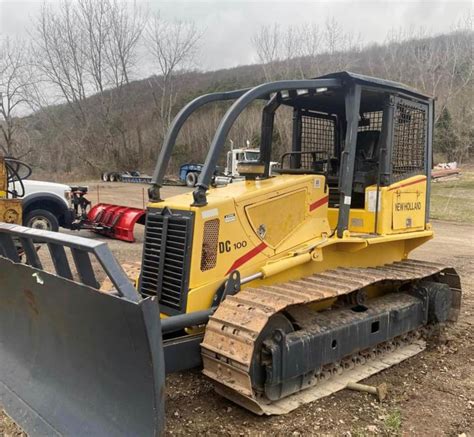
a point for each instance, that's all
(430, 394)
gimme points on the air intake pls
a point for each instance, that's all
(209, 245)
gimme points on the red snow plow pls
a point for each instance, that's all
(114, 221)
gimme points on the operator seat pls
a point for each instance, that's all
(365, 165)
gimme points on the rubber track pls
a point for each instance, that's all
(231, 334)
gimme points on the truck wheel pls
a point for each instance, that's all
(105, 177)
(42, 219)
(191, 179)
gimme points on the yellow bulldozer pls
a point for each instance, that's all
(284, 287)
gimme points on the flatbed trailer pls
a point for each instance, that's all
(126, 176)
(136, 179)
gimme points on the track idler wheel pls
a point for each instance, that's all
(275, 330)
(440, 299)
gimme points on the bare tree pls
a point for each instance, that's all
(295, 51)
(267, 43)
(340, 45)
(126, 26)
(61, 54)
(121, 27)
(311, 47)
(93, 22)
(388, 60)
(87, 48)
(291, 51)
(15, 78)
(173, 46)
(436, 65)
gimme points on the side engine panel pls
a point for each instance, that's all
(189, 251)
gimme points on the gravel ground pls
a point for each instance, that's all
(430, 394)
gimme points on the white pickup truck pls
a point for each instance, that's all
(47, 205)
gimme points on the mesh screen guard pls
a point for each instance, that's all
(409, 139)
(317, 134)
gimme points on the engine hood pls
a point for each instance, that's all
(45, 186)
(50, 188)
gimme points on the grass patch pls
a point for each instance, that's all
(454, 199)
(358, 433)
(393, 422)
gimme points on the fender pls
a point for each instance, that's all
(34, 197)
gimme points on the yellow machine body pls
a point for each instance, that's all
(10, 209)
(283, 286)
(3, 179)
(270, 226)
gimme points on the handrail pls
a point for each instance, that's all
(172, 134)
(231, 115)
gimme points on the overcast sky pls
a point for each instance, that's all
(230, 24)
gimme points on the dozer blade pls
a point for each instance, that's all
(73, 360)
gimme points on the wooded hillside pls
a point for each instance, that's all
(108, 121)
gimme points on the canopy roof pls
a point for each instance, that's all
(376, 82)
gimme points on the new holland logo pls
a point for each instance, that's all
(408, 206)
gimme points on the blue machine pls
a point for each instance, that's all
(189, 173)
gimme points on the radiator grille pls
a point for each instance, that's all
(167, 276)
